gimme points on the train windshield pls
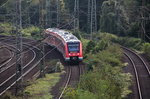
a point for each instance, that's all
(73, 47)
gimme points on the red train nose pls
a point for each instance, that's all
(73, 54)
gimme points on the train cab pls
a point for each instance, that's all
(69, 45)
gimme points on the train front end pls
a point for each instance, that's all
(74, 51)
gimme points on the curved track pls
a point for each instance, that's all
(10, 55)
(30, 56)
(142, 74)
(10, 62)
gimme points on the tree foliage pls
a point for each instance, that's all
(113, 17)
(122, 17)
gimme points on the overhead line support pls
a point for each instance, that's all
(76, 15)
(92, 17)
(19, 65)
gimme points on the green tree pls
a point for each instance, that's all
(114, 18)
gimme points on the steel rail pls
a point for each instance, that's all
(23, 68)
(9, 59)
(136, 75)
(3, 69)
(21, 76)
(81, 69)
(69, 78)
(15, 74)
(33, 47)
(67, 83)
(12, 37)
(145, 65)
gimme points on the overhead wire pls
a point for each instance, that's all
(4, 3)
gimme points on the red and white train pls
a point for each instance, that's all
(69, 45)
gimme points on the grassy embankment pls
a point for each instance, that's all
(40, 89)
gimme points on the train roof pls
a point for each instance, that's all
(67, 36)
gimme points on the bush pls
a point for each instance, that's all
(40, 88)
(90, 46)
(78, 94)
(6, 28)
(105, 36)
(146, 49)
(134, 43)
(54, 66)
(8, 95)
(31, 32)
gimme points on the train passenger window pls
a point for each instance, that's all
(73, 47)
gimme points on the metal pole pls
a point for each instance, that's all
(58, 13)
(41, 14)
(50, 14)
(19, 65)
(92, 17)
(91, 29)
(76, 15)
(42, 46)
(118, 16)
(89, 16)
(47, 11)
(95, 15)
(42, 67)
(143, 20)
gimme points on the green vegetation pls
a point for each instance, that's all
(116, 15)
(105, 78)
(102, 58)
(54, 66)
(130, 42)
(8, 95)
(113, 17)
(6, 29)
(32, 32)
(40, 89)
(146, 49)
(37, 89)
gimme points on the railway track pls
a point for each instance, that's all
(11, 61)
(141, 72)
(30, 57)
(13, 47)
(30, 69)
(10, 55)
(71, 79)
